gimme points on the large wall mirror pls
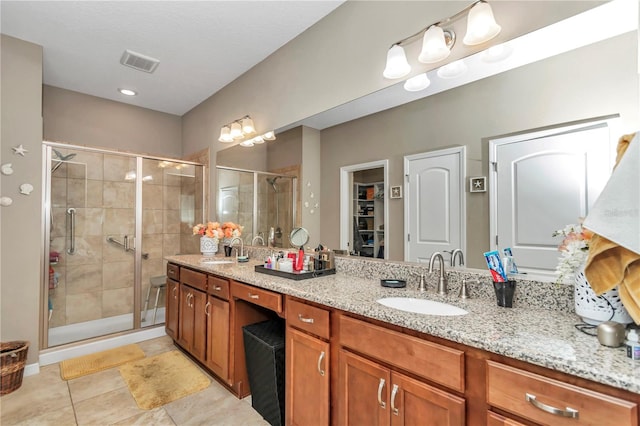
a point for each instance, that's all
(598, 78)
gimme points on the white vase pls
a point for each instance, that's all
(596, 309)
(208, 246)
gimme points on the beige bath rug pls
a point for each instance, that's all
(87, 364)
(160, 379)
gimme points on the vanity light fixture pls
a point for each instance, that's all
(240, 129)
(417, 83)
(127, 92)
(437, 41)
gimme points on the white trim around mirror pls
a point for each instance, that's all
(345, 199)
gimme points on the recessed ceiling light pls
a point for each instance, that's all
(127, 92)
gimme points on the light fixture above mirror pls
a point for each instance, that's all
(240, 129)
(437, 41)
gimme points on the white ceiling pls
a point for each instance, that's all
(202, 45)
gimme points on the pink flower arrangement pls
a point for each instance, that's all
(210, 229)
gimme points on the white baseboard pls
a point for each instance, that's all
(31, 369)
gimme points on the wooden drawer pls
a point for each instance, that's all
(193, 279)
(257, 296)
(308, 318)
(432, 361)
(494, 419)
(534, 397)
(173, 271)
(218, 287)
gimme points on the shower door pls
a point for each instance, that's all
(112, 219)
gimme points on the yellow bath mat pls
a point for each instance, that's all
(87, 364)
(160, 379)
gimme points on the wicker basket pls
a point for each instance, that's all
(13, 356)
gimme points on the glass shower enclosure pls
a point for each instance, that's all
(264, 203)
(110, 218)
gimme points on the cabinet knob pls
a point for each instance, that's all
(254, 296)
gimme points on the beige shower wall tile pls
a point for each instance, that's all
(171, 197)
(94, 193)
(118, 274)
(94, 166)
(117, 166)
(89, 221)
(171, 221)
(119, 194)
(58, 192)
(151, 168)
(88, 250)
(59, 304)
(170, 244)
(59, 222)
(84, 279)
(189, 244)
(152, 268)
(76, 193)
(152, 221)
(152, 244)
(119, 222)
(117, 302)
(152, 196)
(76, 170)
(84, 307)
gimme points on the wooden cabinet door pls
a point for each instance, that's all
(307, 373)
(185, 324)
(218, 337)
(199, 342)
(172, 305)
(413, 402)
(363, 390)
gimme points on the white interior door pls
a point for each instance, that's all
(434, 203)
(542, 182)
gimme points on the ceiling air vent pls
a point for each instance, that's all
(138, 61)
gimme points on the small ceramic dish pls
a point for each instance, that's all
(243, 259)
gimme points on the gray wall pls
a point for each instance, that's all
(81, 119)
(21, 223)
(592, 81)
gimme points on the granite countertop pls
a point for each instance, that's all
(541, 337)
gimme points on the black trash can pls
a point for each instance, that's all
(264, 354)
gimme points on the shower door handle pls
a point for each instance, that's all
(71, 212)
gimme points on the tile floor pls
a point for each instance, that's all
(103, 398)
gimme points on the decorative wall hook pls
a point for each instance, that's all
(20, 150)
(5, 201)
(26, 188)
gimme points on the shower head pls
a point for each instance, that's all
(272, 181)
(61, 159)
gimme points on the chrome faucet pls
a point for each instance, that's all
(442, 281)
(257, 237)
(233, 240)
(453, 257)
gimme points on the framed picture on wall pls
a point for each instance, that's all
(396, 192)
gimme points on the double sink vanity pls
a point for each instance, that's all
(351, 360)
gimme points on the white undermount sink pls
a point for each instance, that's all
(421, 306)
(215, 262)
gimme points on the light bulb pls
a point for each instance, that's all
(397, 65)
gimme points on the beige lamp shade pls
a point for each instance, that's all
(225, 135)
(247, 126)
(236, 131)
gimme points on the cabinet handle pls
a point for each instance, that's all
(175, 288)
(254, 296)
(320, 358)
(303, 319)
(206, 308)
(394, 392)
(568, 412)
(189, 299)
(380, 387)
(217, 288)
